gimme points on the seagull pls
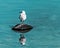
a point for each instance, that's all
(22, 16)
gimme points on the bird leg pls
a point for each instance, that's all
(22, 22)
(22, 34)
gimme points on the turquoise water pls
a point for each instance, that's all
(43, 15)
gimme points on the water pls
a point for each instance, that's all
(43, 15)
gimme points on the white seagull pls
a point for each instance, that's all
(22, 16)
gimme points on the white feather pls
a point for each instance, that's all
(23, 16)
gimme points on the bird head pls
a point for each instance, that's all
(23, 11)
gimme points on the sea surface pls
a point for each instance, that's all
(43, 15)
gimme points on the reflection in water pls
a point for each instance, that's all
(22, 39)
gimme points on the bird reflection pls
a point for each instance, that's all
(22, 39)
